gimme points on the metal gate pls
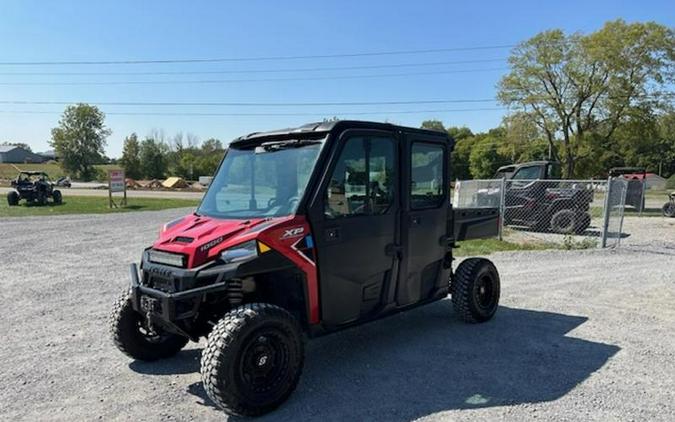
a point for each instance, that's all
(615, 203)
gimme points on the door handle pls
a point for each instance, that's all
(332, 234)
(415, 220)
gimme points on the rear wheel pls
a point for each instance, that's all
(253, 359)
(475, 290)
(564, 221)
(669, 209)
(135, 338)
(13, 198)
(56, 196)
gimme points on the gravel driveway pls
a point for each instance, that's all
(582, 335)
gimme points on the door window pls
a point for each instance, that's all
(363, 179)
(528, 173)
(427, 186)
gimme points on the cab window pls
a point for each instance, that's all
(363, 180)
(427, 187)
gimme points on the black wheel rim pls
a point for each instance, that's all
(484, 292)
(264, 361)
(565, 222)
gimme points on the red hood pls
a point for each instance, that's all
(201, 238)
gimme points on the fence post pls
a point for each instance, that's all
(605, 213)
(502, 196)
(623, 211)
(642, 196)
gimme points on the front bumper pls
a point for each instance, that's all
(173, 294)
(166, 305)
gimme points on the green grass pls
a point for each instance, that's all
(92, 205)
(7, 171)
(488, 246)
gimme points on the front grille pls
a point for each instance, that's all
(167, 285)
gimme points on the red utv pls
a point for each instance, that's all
(304, 232)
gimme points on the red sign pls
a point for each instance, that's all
(116, 178)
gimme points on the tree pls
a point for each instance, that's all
(458, 133)
(213, 152)
(17, 144)
(153, 158)
(79, 140)
(485, 156)
(131, 157)
(436, 125)
(576, 86)
(665, 164)
(212, 145)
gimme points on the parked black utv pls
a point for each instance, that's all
(35, 187)
(537, 199)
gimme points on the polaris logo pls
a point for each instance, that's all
(208, 245)
(294, 232)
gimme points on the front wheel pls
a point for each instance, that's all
(13, 198)
(253, 359)
(475, 290)
(134, 337)
(56, 196)
(669, 209)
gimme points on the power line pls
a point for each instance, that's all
(245, 104)
(223, 81)
(277, 104)
(252, 59)
(358, 113)
(247, 71)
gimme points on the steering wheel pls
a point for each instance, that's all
(292, 202)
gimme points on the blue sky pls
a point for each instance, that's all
(124, 30)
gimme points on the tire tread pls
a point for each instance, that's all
(222, 338)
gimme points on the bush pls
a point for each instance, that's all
(670, 182)
(101, 174)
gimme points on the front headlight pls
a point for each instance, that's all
(166, 258)
(240, 253)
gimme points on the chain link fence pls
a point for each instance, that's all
(571, 213)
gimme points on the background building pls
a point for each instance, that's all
(15, 154)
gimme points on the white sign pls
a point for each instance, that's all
(116, 178)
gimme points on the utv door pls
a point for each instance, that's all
(353, 219)
(425, 219)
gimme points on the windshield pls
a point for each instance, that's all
(265, 181)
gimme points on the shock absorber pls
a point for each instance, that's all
(235, 293)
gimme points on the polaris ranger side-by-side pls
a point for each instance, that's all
(304, 232)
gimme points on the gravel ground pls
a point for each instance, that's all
(582, 335)
(636, 231)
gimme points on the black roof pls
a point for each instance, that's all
(627, 170)
(33, 173)
(529, 163)
(320, 129)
